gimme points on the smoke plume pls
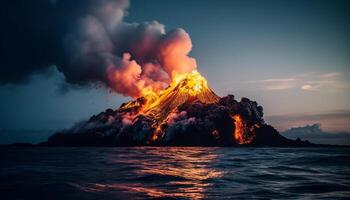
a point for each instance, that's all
(90, 43)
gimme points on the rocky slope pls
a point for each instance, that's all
(187, 113)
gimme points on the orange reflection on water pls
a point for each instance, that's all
(190, 166)
(163, 172)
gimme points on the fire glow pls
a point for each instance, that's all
(183, 88)
(239, 130)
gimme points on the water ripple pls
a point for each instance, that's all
(174, 173)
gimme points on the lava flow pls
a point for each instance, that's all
(239, 129)
(188, 87)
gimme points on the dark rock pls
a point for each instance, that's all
(192, 123)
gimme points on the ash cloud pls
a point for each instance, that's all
(90, 43)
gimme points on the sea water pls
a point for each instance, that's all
(174, 173)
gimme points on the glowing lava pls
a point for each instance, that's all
(184, 88)
(239, 129)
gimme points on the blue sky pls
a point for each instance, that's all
(289, 56)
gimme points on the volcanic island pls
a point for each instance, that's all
(186, 113)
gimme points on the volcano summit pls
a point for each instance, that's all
(186, 113)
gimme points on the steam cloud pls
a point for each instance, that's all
(90, 43)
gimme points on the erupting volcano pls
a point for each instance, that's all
(172, 103)
(186, 113)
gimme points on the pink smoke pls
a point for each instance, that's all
(173, 53)
(130, 77)
(125, 57)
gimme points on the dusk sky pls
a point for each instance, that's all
(292, 57)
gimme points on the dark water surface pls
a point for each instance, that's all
(174, 173)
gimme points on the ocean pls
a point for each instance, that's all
(66, 173)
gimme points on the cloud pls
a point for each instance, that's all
(330, 75)
(336, 114)
(332, 121)
(307, 87)
(315, 134)
(330, 82)
(279, 84)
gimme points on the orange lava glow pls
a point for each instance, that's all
(182, 88)
(239, 129)
(185, 87)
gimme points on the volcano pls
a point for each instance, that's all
(186, 113)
